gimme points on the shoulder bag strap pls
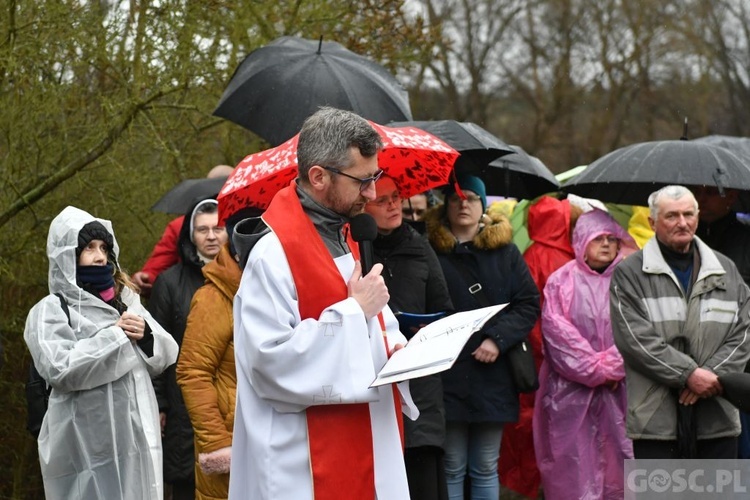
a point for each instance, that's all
(476, 289)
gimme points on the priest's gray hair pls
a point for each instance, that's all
(671, 192)
(327, 137)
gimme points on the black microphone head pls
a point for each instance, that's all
(364, 228)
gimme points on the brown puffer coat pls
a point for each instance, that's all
(206, 374)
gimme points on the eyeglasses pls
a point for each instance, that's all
(363, 183)
(471, 198)
(204, 230)
(611, 239)
(387, 199)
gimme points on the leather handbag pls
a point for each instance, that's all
(519, 357)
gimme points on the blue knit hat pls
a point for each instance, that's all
(470, 183)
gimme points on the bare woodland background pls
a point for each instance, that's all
(106, 105)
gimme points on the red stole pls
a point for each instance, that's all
(339, 436)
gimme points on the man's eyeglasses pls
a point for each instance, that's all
(363, 183)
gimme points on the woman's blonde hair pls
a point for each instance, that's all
(122, 279)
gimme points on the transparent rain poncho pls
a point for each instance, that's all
(101, 436)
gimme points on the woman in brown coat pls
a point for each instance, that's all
(206, 374)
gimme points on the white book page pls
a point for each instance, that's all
(435, 347)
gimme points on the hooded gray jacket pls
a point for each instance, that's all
(664, 335)
(100, 437)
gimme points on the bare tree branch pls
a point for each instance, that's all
(31, 196)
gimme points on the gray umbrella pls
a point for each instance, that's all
(738, 145)
(628, 175)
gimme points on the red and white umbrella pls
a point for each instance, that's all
(415, 159)
(258, 177)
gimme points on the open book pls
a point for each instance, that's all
(435, 347)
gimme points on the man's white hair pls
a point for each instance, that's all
(671, 192)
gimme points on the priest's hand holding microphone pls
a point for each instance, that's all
(366, 285)
(369, 290)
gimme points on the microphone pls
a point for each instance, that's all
(364, 231)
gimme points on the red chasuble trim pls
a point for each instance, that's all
(339, 436)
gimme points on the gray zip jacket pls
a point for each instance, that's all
(664, 335)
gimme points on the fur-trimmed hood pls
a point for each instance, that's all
(495, 231)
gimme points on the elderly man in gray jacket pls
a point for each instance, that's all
(680, 317)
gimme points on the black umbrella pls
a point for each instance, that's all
(276, 87)
(181, 197)
(738, 145)
(629, 175)
(519, 175)
(687, 429)
(477, 146)
(506, 170)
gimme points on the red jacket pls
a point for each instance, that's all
(549, 229)
(165, 253)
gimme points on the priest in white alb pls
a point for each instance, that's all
(311, 333)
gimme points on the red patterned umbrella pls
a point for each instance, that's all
(258, 177)
(415, 159)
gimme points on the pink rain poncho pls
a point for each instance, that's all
(579, 419)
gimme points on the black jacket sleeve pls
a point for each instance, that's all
(160, 307)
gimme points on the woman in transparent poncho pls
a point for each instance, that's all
(100, 437)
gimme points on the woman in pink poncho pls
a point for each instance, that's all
(579, 413)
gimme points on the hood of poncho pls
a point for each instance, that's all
(62, 242)
(595, 223)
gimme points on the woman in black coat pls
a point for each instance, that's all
(482, 267)
(199, 242)
(416, 285)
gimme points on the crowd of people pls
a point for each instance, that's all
(248, 375)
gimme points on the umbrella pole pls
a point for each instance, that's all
(684, 130)
(506, 178)
(719, 183)
(686, 426)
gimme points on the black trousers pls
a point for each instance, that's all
(182, 490)
(425, 472)
(707, 448)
